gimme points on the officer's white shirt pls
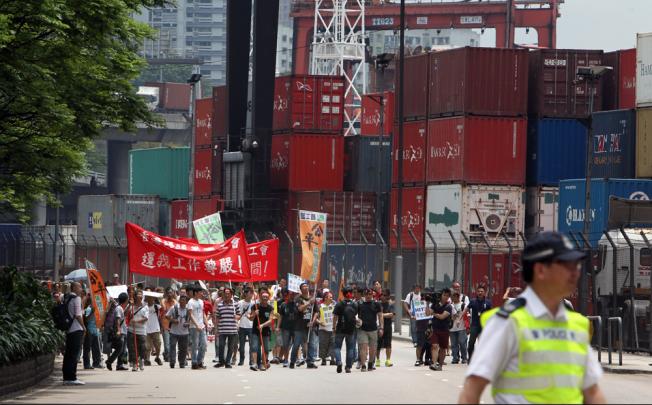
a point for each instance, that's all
(498, 348)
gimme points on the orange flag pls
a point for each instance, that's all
(312, 230)
(98, 293)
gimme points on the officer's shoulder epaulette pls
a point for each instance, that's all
(506, 310)
(569, 306)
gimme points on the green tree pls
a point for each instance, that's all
(66, 70)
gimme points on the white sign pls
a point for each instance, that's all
(294, 283)
(644, 70)
(420, 310)
(422, 20)
(471, 19)
(382, 21)
(152, 294)
(115, 290)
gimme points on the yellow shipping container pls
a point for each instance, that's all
(644, 142)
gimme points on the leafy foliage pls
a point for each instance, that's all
(65, 72)
(26, 325)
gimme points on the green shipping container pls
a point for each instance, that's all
(159, 171)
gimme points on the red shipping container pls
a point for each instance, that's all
(203, 182)
(219, 114)
(200, 208)
(479, 81)
(370, 120)
(627, 79)
(412, 217)
(414, 152)
(479, 275)
(173, 96)
(415, 95)
(348, 212)
(477, 150)
(610, 81)
(554, 91)
(307, 162)
(308, 103)
(204, 122)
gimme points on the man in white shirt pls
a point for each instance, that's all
(137, 332)
(408, 305)
(197, 328)
(153, 332)
(74, 337)
(245, 325)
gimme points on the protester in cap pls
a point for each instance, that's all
(138, 315)
(534, 349)
(344, 316)
(74, 336)
(261, 316)
(326, 328)
(477, 307)
(441, 312)
(91, 338)
(168, 302)
(118, 342)
(370, 313)
(197, 327)
(227, 314)
(153, 331)
(385, 342)
(178, 317)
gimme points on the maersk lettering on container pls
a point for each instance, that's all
(572, 202)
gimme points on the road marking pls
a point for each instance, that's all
(240, 395)
(228, 403)
(444, 380)
(244, 380)
(428, 374)
(240, 375)
(247, 387)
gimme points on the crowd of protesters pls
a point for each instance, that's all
(147, 325)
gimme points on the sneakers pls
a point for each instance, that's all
(158, 361)
(74, 382)
(291, 365)
(464, 361)
(333, 363)
(142, 365)
(148, 363)
(377, 362)
(363, 369)
(134, 368)
(357, 366)
(418, 363)
(347, 370)
(339, 369)
(108, 366)
(217, 365)
(311, 365)
(301, 363)
(171, 365)
(240, 363)
(121, 368)
(388, 363)
(253, 368)
(455, 362)
(435, 367)
(285, 364)
(275, 360)
(323, 362)
(216, 360)
(227, 366)
(371, 366)
(194, 366)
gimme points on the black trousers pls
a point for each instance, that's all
(475, 333)
(117, 347)
(73, 346)
(92, 345)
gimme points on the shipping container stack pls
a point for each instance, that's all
(464, 157)
(307, 158)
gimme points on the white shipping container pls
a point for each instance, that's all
(477, 210)
(541, 209)
(644, 70)
(642, 262)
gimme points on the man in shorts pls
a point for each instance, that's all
(441, 312)
(371, 314)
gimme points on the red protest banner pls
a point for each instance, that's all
(263, 260)
(159, 256)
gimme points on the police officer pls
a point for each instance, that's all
(534, 349)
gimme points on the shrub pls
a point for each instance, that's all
(26, 326)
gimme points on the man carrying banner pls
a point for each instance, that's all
(262, 316)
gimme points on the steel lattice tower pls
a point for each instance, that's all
(338, 48)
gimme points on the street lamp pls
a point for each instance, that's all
(592, 75)
(194, 79)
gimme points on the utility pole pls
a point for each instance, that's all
(194, 79)
(401, 66)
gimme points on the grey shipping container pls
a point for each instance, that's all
(237, 174)
(104, 216)
(366, 163)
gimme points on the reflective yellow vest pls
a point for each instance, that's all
(552, 358)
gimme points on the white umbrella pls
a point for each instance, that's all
(77, 275)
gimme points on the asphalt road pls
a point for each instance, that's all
(402, 383)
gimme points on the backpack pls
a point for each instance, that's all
(61, 315)
(110, 326)
(348, 317)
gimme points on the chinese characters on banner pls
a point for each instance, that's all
(209, 229)
(159, 256)
(98, 293)
(263, 260)
(312, 228)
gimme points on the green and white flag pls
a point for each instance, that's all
(209, 229)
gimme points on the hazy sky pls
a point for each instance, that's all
(595, 24)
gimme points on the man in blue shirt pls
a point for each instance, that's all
(477, 306)
(92, 338)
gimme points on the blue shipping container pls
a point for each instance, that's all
(613, 150)
(556, 150)
(363, 265)
(572, 202)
